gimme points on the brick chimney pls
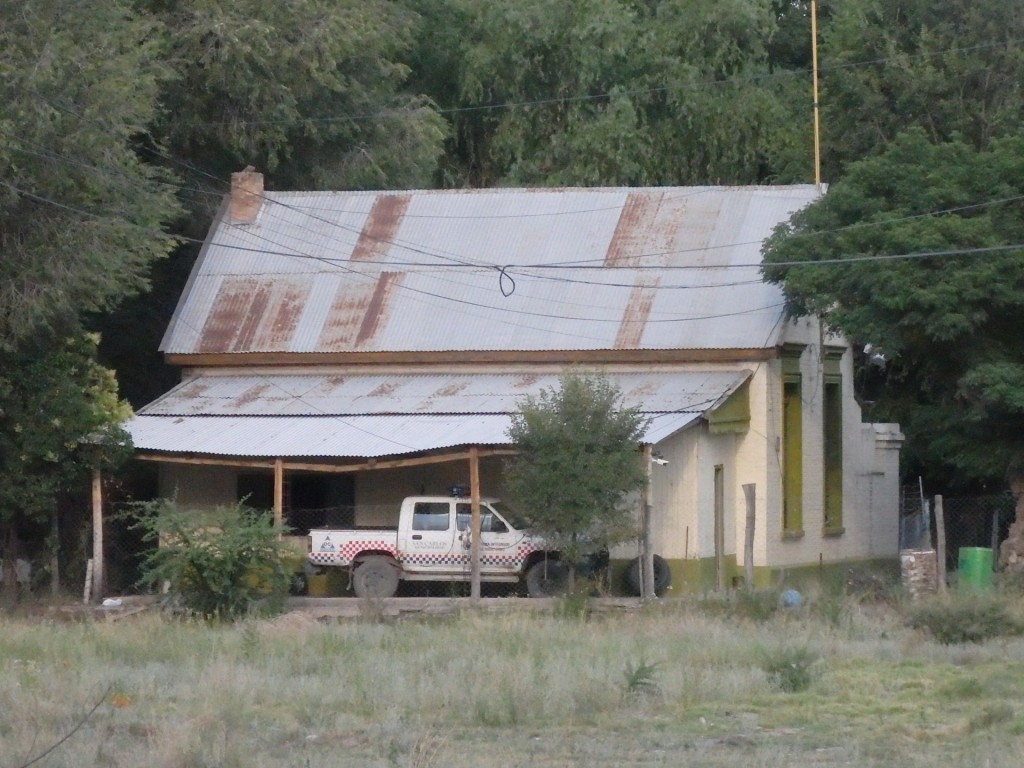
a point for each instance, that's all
(246, 196)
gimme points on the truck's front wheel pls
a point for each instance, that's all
(547, 578)
(375, 577)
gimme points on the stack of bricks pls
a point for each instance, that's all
(919, 569)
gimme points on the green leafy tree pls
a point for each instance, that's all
(612, 92)
(952, 68)
(59, 418)
(81, 221)
(946, 326)
(311, 92)
(81, 215)
(577, 462)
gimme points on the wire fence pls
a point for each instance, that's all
(970, 521)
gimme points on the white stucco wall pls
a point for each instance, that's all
(870, 467)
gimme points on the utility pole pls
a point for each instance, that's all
(814, 81)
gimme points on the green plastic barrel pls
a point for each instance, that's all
(975, 570)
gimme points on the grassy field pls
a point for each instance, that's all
(832, 683)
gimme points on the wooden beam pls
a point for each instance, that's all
(293, 466)
(446, 359)
(226, 461)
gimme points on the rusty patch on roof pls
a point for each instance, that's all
(329, 384)
(194, 390)
(634, 316)
(345, 316)
(450, 389)
(253, 314)
(526, 380)
(251, 395)
(381, 227)
(357, 313)
(376, 309)
(643, 389)
(636, 233)
(385, 389)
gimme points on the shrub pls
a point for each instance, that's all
(223, 564)
(964, 618)
(641, 679)
(790, 668)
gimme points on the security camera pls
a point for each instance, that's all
(661, 462)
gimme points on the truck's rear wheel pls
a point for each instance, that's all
(662, 576)
(375, 577)
(547, 578)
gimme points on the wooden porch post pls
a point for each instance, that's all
(474, 537)
(97, 534)
(646, 546)
(278, 494)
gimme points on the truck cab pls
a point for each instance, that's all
(434, 538)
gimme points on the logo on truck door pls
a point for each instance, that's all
(327, 545)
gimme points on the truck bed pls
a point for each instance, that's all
(337, 546)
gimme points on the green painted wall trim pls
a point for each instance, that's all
(734, 414)
(833, 356)
(697, 575)
(790, 354)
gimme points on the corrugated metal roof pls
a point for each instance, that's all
(544, 269)
(371, 416)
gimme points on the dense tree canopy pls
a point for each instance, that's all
(81, 217)
(952, 68)
(946, 312)
(81, 220)
(614, 92)
(310, 91)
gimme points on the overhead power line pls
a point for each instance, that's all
(707, 84)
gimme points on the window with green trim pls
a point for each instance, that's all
(833, 439)
(792, 456)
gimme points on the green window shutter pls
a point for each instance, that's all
(833, 439)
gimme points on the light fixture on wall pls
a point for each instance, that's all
(658, 459)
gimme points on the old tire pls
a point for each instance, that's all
(547, 578)
(375, 577)
(662, 576)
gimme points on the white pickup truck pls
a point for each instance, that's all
(432, 543)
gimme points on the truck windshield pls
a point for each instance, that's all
(510, 515)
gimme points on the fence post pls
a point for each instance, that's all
(750, 493)
(940, 544)
(995, 536)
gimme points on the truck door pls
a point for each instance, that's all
(498, 542)
(428, 539)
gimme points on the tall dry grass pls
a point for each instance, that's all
(667, 685)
